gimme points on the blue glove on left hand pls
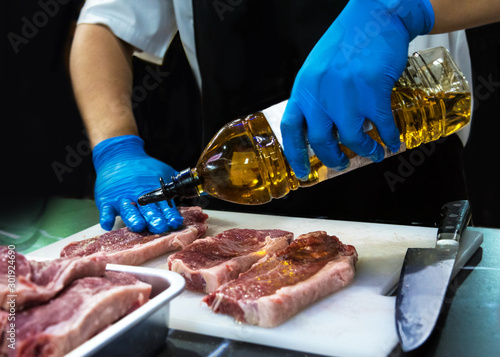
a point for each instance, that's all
(125, 172)
(347, 78)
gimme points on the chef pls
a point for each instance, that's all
(244, 56)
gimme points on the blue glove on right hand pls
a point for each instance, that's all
(347, 78)
(125, 172)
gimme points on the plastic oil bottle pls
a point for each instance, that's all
(244, 162)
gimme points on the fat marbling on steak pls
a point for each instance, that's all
(82, 310)
(314, 265)
(123, 246)
(208, 263)
(39, 281)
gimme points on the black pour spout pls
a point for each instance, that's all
(184, 185)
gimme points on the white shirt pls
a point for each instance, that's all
(150, 26)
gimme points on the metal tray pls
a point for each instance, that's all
(144, 331)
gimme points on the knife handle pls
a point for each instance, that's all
(455, 218)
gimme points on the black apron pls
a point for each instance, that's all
(249, 52)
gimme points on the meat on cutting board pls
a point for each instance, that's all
(39, 281)
(208, 263)
(312, 266)
(123, 246)
(82, 310)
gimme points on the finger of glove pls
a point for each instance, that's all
(155, 219)
(360, 142)
(107, 215)
(131, 216)
(323, 139)
(386, 126)
(172, 215)
(294, 140)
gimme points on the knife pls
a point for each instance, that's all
(425, 276)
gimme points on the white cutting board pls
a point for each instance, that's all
(356, 321)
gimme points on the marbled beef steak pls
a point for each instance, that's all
(39, 281)
(123, 246)
(210, 262)
(313, 266)
(79, 312)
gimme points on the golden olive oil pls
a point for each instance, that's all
(244, 162)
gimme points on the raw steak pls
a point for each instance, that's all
(5, 328)
(312, 266)
(123, 246)
(37, 282)
(208, 263)
(83, 309)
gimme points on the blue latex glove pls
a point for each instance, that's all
(125, 172)
(347, 78)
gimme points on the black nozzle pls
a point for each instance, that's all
(160, 194)
(183, 186)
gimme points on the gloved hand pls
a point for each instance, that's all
(347, 78)
(125, 172)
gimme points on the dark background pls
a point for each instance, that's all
(481, 152)
(44, 148)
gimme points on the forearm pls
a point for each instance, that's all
(101, 73)
(452, 15)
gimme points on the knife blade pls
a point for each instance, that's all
(425, 276)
